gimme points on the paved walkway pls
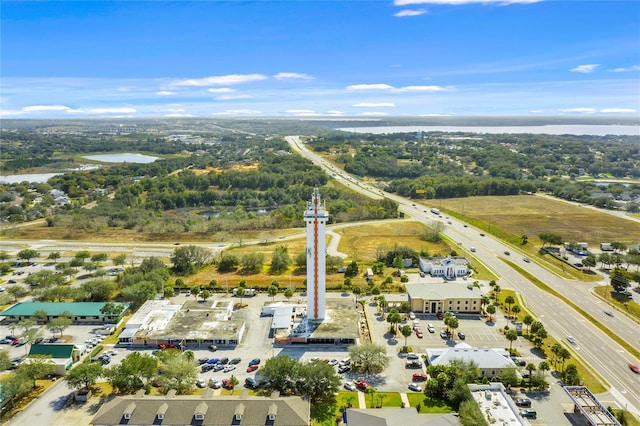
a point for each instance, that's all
(361, 402)
(405, 400)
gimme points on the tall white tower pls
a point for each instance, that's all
(316, 217)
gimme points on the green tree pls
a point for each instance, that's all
(470, 414)
(54, 255)
(273, 291)
(528, 320)
(491, 310)
(139, 293)
(252, 263)
(288, 293)
(281, 372)
(406, 331)
(240, 293)
(59, 324)
(120, 260)
(544, 366)
(5, 360)
(511, 336)
(40, 315)
(99, 258)
(188, 259)
(205, 294)
(228, 263)
(129, 374)
(84, 375)
(516, 310)
(37, 368)
(99, 290)
(82, 255)
(531, 367)
(320, 383)
(27, 254)
(369, 358)
(509, 300)
(280, 260)
(454, 323)
(351, 270)
(509, 377)
(44, 278)
(394, 318)
(179, 371)
(112, 309)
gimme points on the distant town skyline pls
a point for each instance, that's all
(88, 59)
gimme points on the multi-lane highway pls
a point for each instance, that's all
(598, 349)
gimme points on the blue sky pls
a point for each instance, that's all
(319, 58)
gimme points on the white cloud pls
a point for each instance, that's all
(375, 114)
(374, 104)
(238, 112)
(421, 89)
(221, 80)
(435, 115)
(178, 115)
(459, 2)
(410, 12)
(40, 108)
(618, 110)
(165, 93)
(221, 90)
(369, 87)
(580, 110)
(585, 69)
(626, 69)
(292, 76)
(232, 97)
(334, 112)
(300, 111)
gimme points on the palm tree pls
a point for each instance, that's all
(406, 332)
(544, 366)
(491, 309)
(371, 391)
(564, 354)
(496, 292)
(516, 310)
(555, 350)
(531, 367)
(527, 320)
(511, 336)
(453, 324)
(509, 300)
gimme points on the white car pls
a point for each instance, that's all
(571, 340)
(112, 352)
(228, 368)
(350, 386)
(412, 315)
(431, 328)
(414, 387)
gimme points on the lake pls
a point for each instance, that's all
(550, 129)
(123, 157)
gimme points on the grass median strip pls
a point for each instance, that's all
(541, 285)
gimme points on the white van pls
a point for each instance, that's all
(473, 249)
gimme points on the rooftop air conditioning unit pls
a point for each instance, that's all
(160, 416)
(272, 416)
(199, 416)
(238, 416)
(127, 416)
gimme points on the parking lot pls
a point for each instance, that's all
(550, 405)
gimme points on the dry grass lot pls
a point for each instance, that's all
(532, 215)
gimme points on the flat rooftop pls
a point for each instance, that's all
(195, 320)
(342, 320)
(496, 406)
(590, 407)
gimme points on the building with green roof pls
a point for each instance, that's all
(79, 312)
(61, 355)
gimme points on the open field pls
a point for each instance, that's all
(531, 215)
(361, 243)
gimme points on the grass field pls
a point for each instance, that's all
(630, 307)
(531, 215)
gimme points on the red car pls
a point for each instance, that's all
(252, 368)
(361, 384)
(634, 368)
(419, 333)
(420, 377)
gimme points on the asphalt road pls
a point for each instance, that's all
(598, 349)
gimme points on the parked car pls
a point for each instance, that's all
(523, 402)
(224, 360)
(251, 383)
(252, 368)
(420, 377)
(415, 387)
(343, 369)
(228, 368)
(350, 386)
(215, 384)
(361, 384)
(412, 355)
(431, 328)
(212, 348)
(412, 315)
(419, 334)
(528, 413)
(519, 362)
(235, 361)
(218, 367)
(254, 361)
(444, 334)
(414, 363)
(461, 335)
(201, 383)
(206, 367)
(333, 362)
(202, 360)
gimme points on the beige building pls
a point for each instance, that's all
(205, 409)
(444, 297)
